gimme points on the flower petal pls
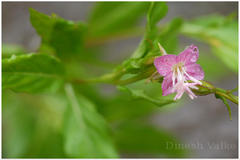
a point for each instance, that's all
(164, 64)
(195, 70)
(189, 55)
(167, 85)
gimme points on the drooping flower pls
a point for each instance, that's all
(180, 72)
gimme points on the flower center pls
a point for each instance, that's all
(178, 67)
(180, 81)
(178, 73)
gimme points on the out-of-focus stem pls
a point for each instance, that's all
(226, 94)
(207, 88)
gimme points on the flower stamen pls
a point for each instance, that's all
(180, 83)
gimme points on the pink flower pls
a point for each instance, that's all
(177, 70)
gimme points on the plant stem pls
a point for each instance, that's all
(138, 77)
(226, 94)
(113, 78)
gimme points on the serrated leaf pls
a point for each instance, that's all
(9, 50)
(220, 33)
(137, 139)
(112, 17)
(86, 132)
(32, 73)
(59, 36)
(42, 23)
(139, 93)
(67, 38)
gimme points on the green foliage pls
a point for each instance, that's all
(18, 130)
(31, 126)
(32, 73)
(141, 60)
(114, 17)
(9, 50)
(220, 33)
(224, 100)
(156, 12)
(168, 36)
(65, 38)
(85, 130)
(69, 124)
(212, 72)
(71, 35)
(42, 23)
(135, 138)
(139, 93)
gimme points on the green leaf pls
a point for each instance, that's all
(156, 12)
(59, 36)
(138, 139)
(212, 72)
(18, 126)
(220, 33)
(226, 103)
(114, 17)
(9, 50)
(32, 125)
(67, 38)
(168, 36)
(32, 73)
(141, 59)
(139, 93)
(42, 23)
(86, 132)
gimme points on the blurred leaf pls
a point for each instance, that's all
(65, 38)
(168, 36)
(211, 65)
(156, 12)
(221, 33)
(139, 93)
(139, 59)
(9, 50)
(121, 108)
(126, 110)
(138, 140)
(42, 23)
(71, 35)
(86, 132)
(226, 103)
(18, 125)
(111, 17)
(32, 73)
(27, 131)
